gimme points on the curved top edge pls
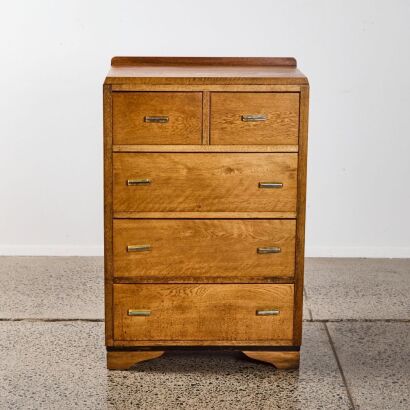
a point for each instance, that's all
(207, 61)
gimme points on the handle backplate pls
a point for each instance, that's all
(139, 312)
(138, 248)
(270, 185)
(135, 182)
(268, 312)
(253, 117)
(159, 119)
(269, 249)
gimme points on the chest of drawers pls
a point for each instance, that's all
(204, 213)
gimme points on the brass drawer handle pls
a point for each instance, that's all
(138, 312)
(253, 117)
(269, 249)
(161, 119)
(271, 312)
(271, 185)
(138, 248)
(134, 182)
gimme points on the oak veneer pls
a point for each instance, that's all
(125, 360)
(108, 214)
(190, 182)
(206, 87)
(203, 212)
(204, 215)
(204, 70)
(210, 312)
(204, 61)
(182, 111)
(281, 360)
(196, 249)
(205, 148)
(280, 126)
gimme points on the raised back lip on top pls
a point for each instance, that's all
(204, 61)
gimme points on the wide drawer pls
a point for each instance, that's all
(185, 250)
(157, 118)
(203, 312)
(216, 182)
(255, 118)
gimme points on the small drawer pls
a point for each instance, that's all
(197, 182)
(193, 312)
(186, 250)
(157, 118)
(255, 118)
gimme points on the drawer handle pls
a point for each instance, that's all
(161, 119)
(271, 185)
(138, 248)
(138, 312)
(253, 117)
(269, 249)
(271, 312)
(134, 182)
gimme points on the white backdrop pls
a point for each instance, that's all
(55, 54)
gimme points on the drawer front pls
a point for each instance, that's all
(255, 118)
(204, 182)
(157, 118)
(186, 250)
(203, 312)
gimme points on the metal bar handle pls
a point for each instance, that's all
(138, 248)
(270, 185)
(134, 182)
(138, 312)
(161, 119)
(269, 312)
(269, 249)
(253, 117)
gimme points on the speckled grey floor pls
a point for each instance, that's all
(52, 365)
(347, 288)
(356, 348)
(51, 287)
(375, 358)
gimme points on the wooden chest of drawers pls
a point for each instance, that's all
(205, 181)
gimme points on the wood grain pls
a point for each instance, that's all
(301, 214)
(203, 312)
(192, 182)
(204, 215)
(120, 61)
(117, 360)
(108, 236)
(240, 344)
(194, 71)
(202, 279)
(205, 148)
(184, 111)
(280, 128)
(214, 74)
(203, 209)
(281, 360)
(204, 248)
(207, 87)
(206, 105)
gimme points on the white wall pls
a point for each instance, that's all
(54, 56)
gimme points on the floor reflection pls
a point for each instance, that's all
(204, 379)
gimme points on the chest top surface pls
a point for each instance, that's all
(205, 70)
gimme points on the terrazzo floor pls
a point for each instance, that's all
(355, 354)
